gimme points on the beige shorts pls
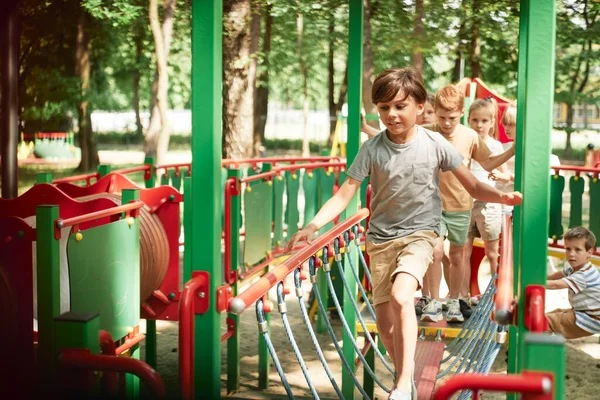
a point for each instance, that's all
(486, 221)
(563, 322)
(411, 254)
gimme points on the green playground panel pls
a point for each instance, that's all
(310, 184)
(278, 189)
(557, 185)
(327, 182)
(576, 188)
(292, 215)
(595, 206)
(257, 222)
(104, 275)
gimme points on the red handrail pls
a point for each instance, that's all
(131, 170)
(527, 383)
(254, 292)
(293, 167)
(80, 359)
(578, 170)
(275, 160)
(134, 205)
(186, 334)
(504, 296)
(76, 178)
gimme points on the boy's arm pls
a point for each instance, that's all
(556, 275)
(331, 209)
(366, 128)
(494, 162)
(557, 284)
(483, 192)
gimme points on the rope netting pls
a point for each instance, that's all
(473, 350)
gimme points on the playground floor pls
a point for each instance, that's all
(583, 358)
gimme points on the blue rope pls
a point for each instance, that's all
(315, 342)
(360, 286)
(290, 335)
(323, 312)
(347, 328)
(362, 259)
(260, 316)
(336, 247)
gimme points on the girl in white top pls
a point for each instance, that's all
(486, 218)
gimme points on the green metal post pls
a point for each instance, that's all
(546, 353)
(368, 382)
(103, 170)
(48, 288)
(151, 182)
(535, 102)
(576, 189)
(233, 343)
(43, 178)
(264, 361)
(355, 61)
(207, 69)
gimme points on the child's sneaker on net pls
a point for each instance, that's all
(433, 311)
(454, 314)
(421, 304)
(465, 309)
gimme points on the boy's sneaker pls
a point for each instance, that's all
(421, 304)
(432, 312)
(454, 314)
(475, 300)
(465, 309)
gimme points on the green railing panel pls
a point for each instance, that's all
(278, 189)
(257, 221)
(177, 178)
(104, 271)
(292, 215)
(164, 179)
(595, 207)
(327, 182)
(576, 188)
(310, 184)
(557, 185)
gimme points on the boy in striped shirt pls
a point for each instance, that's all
(583, 281)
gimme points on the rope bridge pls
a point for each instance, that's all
(473, 350)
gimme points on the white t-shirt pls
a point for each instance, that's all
(507, 187)
(480, 173)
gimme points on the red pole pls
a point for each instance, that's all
(527, 383)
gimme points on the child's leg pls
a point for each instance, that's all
(564, 322)
(491, 252)
(433, 277)
(458, 270)
(405, 328)
(385, 328)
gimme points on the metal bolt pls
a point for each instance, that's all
(202, 295)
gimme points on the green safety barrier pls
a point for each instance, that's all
(310, 184)
(105, 275)
(576, 187)
(595, 206)
(278, 190)
(292, 215)
(557, 185)
(258, 200)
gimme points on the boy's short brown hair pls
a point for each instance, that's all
(449, 98)
(580, 232)
(391, 81)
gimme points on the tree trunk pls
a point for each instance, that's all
(475, 48)
(261, 93)
(255, 31)
(139, 132)
(368, 75)
(418, 35)
(569, 129)
(89, 151)
(157, 136)
(330, 79)
(341, 99)
(304, 73)
(238, 98)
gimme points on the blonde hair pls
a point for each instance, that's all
(491, 106)
(449, 98)
(510, 115)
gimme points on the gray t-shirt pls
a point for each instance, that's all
(405, 182)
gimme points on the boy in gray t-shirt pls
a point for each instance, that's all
(403, 162)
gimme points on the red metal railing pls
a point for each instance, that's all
(76, 178)
(257, 290)
(83, 360)
(186, 334)
(293, 167)
(274, 160)
(504, 296)
(578, 170)
(531, 384)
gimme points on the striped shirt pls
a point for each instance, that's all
(584, 295)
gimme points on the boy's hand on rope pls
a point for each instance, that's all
(306, 234)
(512, 199)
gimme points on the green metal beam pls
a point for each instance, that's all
(534, 126)
(207, 69)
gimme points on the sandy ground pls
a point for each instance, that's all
(582, 369)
